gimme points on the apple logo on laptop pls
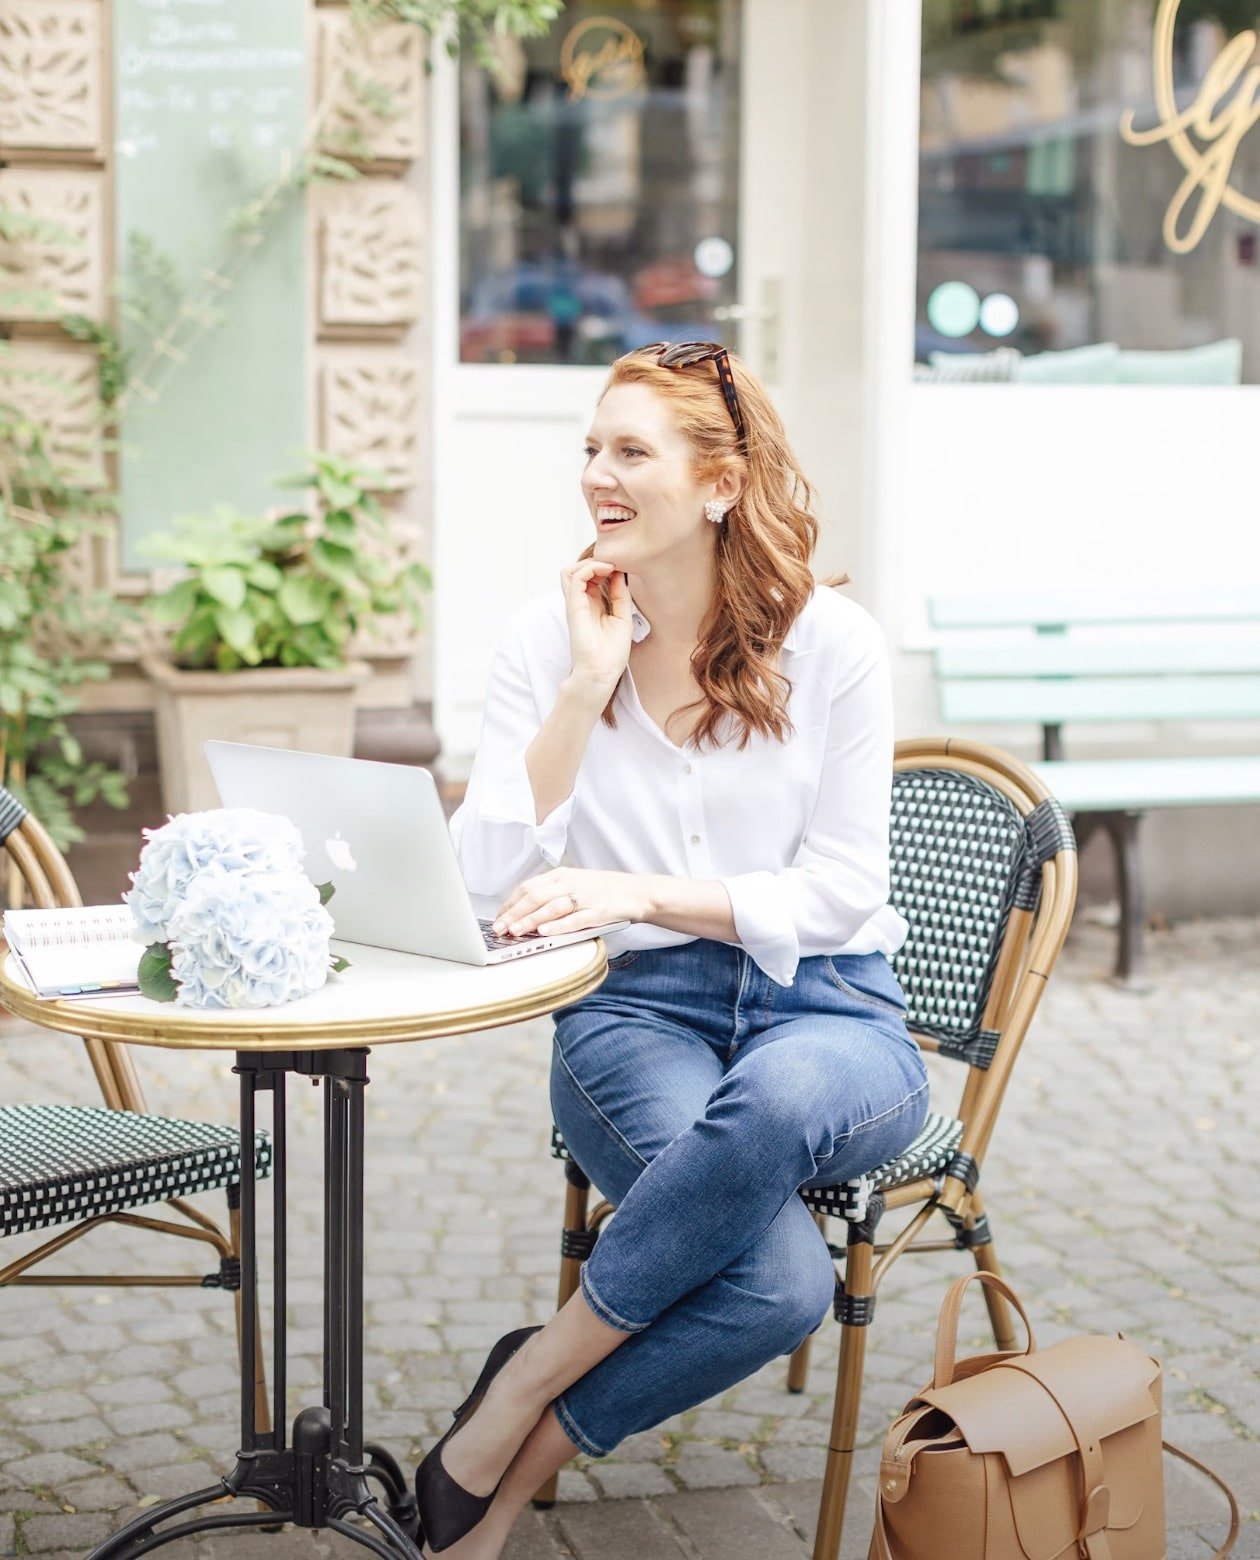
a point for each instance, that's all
(340, 854)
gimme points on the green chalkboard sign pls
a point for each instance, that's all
(210, 100)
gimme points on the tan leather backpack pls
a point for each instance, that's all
(1051, 1454)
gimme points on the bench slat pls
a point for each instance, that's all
(1067, 655)
(1103, 785)
(1064, 608)
(1105, 698)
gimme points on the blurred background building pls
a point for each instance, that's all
(997, 260)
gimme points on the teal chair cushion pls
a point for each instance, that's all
(1218, 363)
(1093, 365)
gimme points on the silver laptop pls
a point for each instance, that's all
(377, 832)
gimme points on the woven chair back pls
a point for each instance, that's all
(41, 869)
(959, 849)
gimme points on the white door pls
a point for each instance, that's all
(721, 255)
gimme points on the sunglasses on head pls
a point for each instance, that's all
(685, 354)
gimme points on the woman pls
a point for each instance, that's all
(706, 736)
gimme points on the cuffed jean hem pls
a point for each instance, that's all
(575, 1432)
(610, 1318)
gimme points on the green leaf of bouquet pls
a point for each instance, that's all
(156, 981)
(326, 891)
(339, 964)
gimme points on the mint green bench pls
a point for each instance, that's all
(1066, 658)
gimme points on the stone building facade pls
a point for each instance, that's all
(366, 348)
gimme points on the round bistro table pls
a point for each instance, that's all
(317, 1475)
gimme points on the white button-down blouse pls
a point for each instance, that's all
(795, 831)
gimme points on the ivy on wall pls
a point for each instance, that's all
(52, 633)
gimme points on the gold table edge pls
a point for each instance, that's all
(196, 1034)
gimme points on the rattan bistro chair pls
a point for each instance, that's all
(984, 871)
(82, 1166)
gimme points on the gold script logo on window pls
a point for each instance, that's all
(601, 58)
(1226, 108)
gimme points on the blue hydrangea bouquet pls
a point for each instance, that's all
(229, 917)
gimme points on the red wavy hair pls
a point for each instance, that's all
(764, 547)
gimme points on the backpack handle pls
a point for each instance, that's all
(1235, 1518)
(947, 1327)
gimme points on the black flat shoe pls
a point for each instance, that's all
(447, 1510)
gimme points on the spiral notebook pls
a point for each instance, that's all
(87, 951)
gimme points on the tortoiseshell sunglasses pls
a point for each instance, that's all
(684, 354)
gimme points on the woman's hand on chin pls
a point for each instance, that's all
(599, 641)
(545, 903)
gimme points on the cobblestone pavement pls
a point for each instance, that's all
(1119, 1185)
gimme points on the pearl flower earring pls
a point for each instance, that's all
(715, 510)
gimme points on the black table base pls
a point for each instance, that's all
(324, 1473)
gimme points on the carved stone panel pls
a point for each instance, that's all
(63, 253)
(50, 75)
(369, 410)
(56, 384)
(369, 247)
(371, 82)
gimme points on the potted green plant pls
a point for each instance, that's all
(262, 620)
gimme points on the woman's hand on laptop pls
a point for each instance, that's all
(547, 903)
(700, 907)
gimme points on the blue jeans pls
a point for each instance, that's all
(699, 1097)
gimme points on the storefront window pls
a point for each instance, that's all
(1089, 191)
(599, 184)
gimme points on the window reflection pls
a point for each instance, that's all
(1063, 232)
(599, 179)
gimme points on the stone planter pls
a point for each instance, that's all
(299, 707)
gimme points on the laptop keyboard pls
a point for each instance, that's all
(494, 939)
